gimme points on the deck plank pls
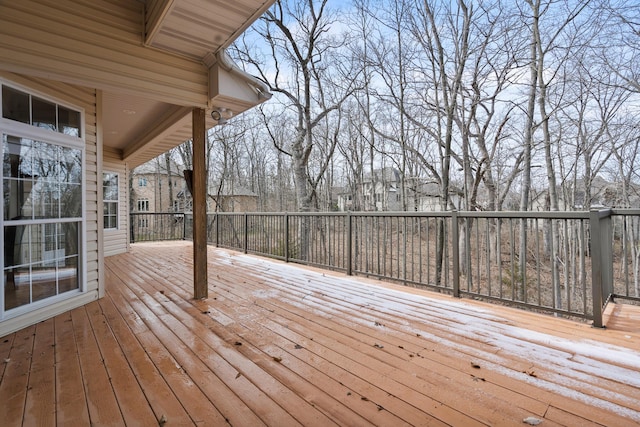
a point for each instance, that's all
(193, 357)
(253, 348)
(223, 358)
(510, 395)
(160, 398)
(401, 376)
(40, 405)
(101, 399)
(5, 348)
(193, 400)
(13, 389)
(277, 344)
(71, 400)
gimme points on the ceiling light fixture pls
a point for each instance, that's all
(221, 115)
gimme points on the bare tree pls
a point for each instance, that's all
(304, 69)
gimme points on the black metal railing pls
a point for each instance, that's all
(570, 263)
(146, 227)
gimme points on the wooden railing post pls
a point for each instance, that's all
(455, 246)
(132, 236)
(601, 262)
(349, 244)
(184, 226)
(217, 220)
(286, 237)
(246, 232)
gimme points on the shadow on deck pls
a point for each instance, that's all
(284, 345)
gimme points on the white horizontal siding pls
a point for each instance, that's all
(116, 241)
(96, 44)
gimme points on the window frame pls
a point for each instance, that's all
(45, 135)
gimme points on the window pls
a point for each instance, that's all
(143, 205)
(110, 200)
(25, 108)
(142, 182)
(42, 209)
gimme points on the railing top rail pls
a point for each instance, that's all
(159, 213)
(625, 211)
(526, 214)
(441, 214)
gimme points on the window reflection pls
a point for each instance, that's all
(68, 121)
(25, 108)
(44, 114)
(43, 262)
(42, 186)
(15, 105)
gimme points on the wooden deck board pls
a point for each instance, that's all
(101, 400)
(474, 354)
(40, 403)
(13, 388)
(71, 400)
(276, 344)
(193, 400)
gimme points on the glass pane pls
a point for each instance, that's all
(110, 186)
(71, 200)
(68, 239)
(68, 275)
(43, 281)
(71, 165)
(15, 105)
(68, 121)
(109, 222)
(13, 246)
(17, 199)
(44, 114)
(45, 161)
(17, 287)
(33, 246)
(16, 157)
(46, 200)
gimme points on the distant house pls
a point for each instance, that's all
(379, 192)
(424, 197)
(344, 198)
(382, 191)
(603, 194)
(155, 189)
(238, 199)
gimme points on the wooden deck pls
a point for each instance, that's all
(284, 345)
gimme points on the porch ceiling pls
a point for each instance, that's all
(141, 129)
(152, 60)
(196, 27)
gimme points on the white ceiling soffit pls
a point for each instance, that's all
(196, 28)
(200, 30)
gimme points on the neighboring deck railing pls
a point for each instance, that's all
(570, 263)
